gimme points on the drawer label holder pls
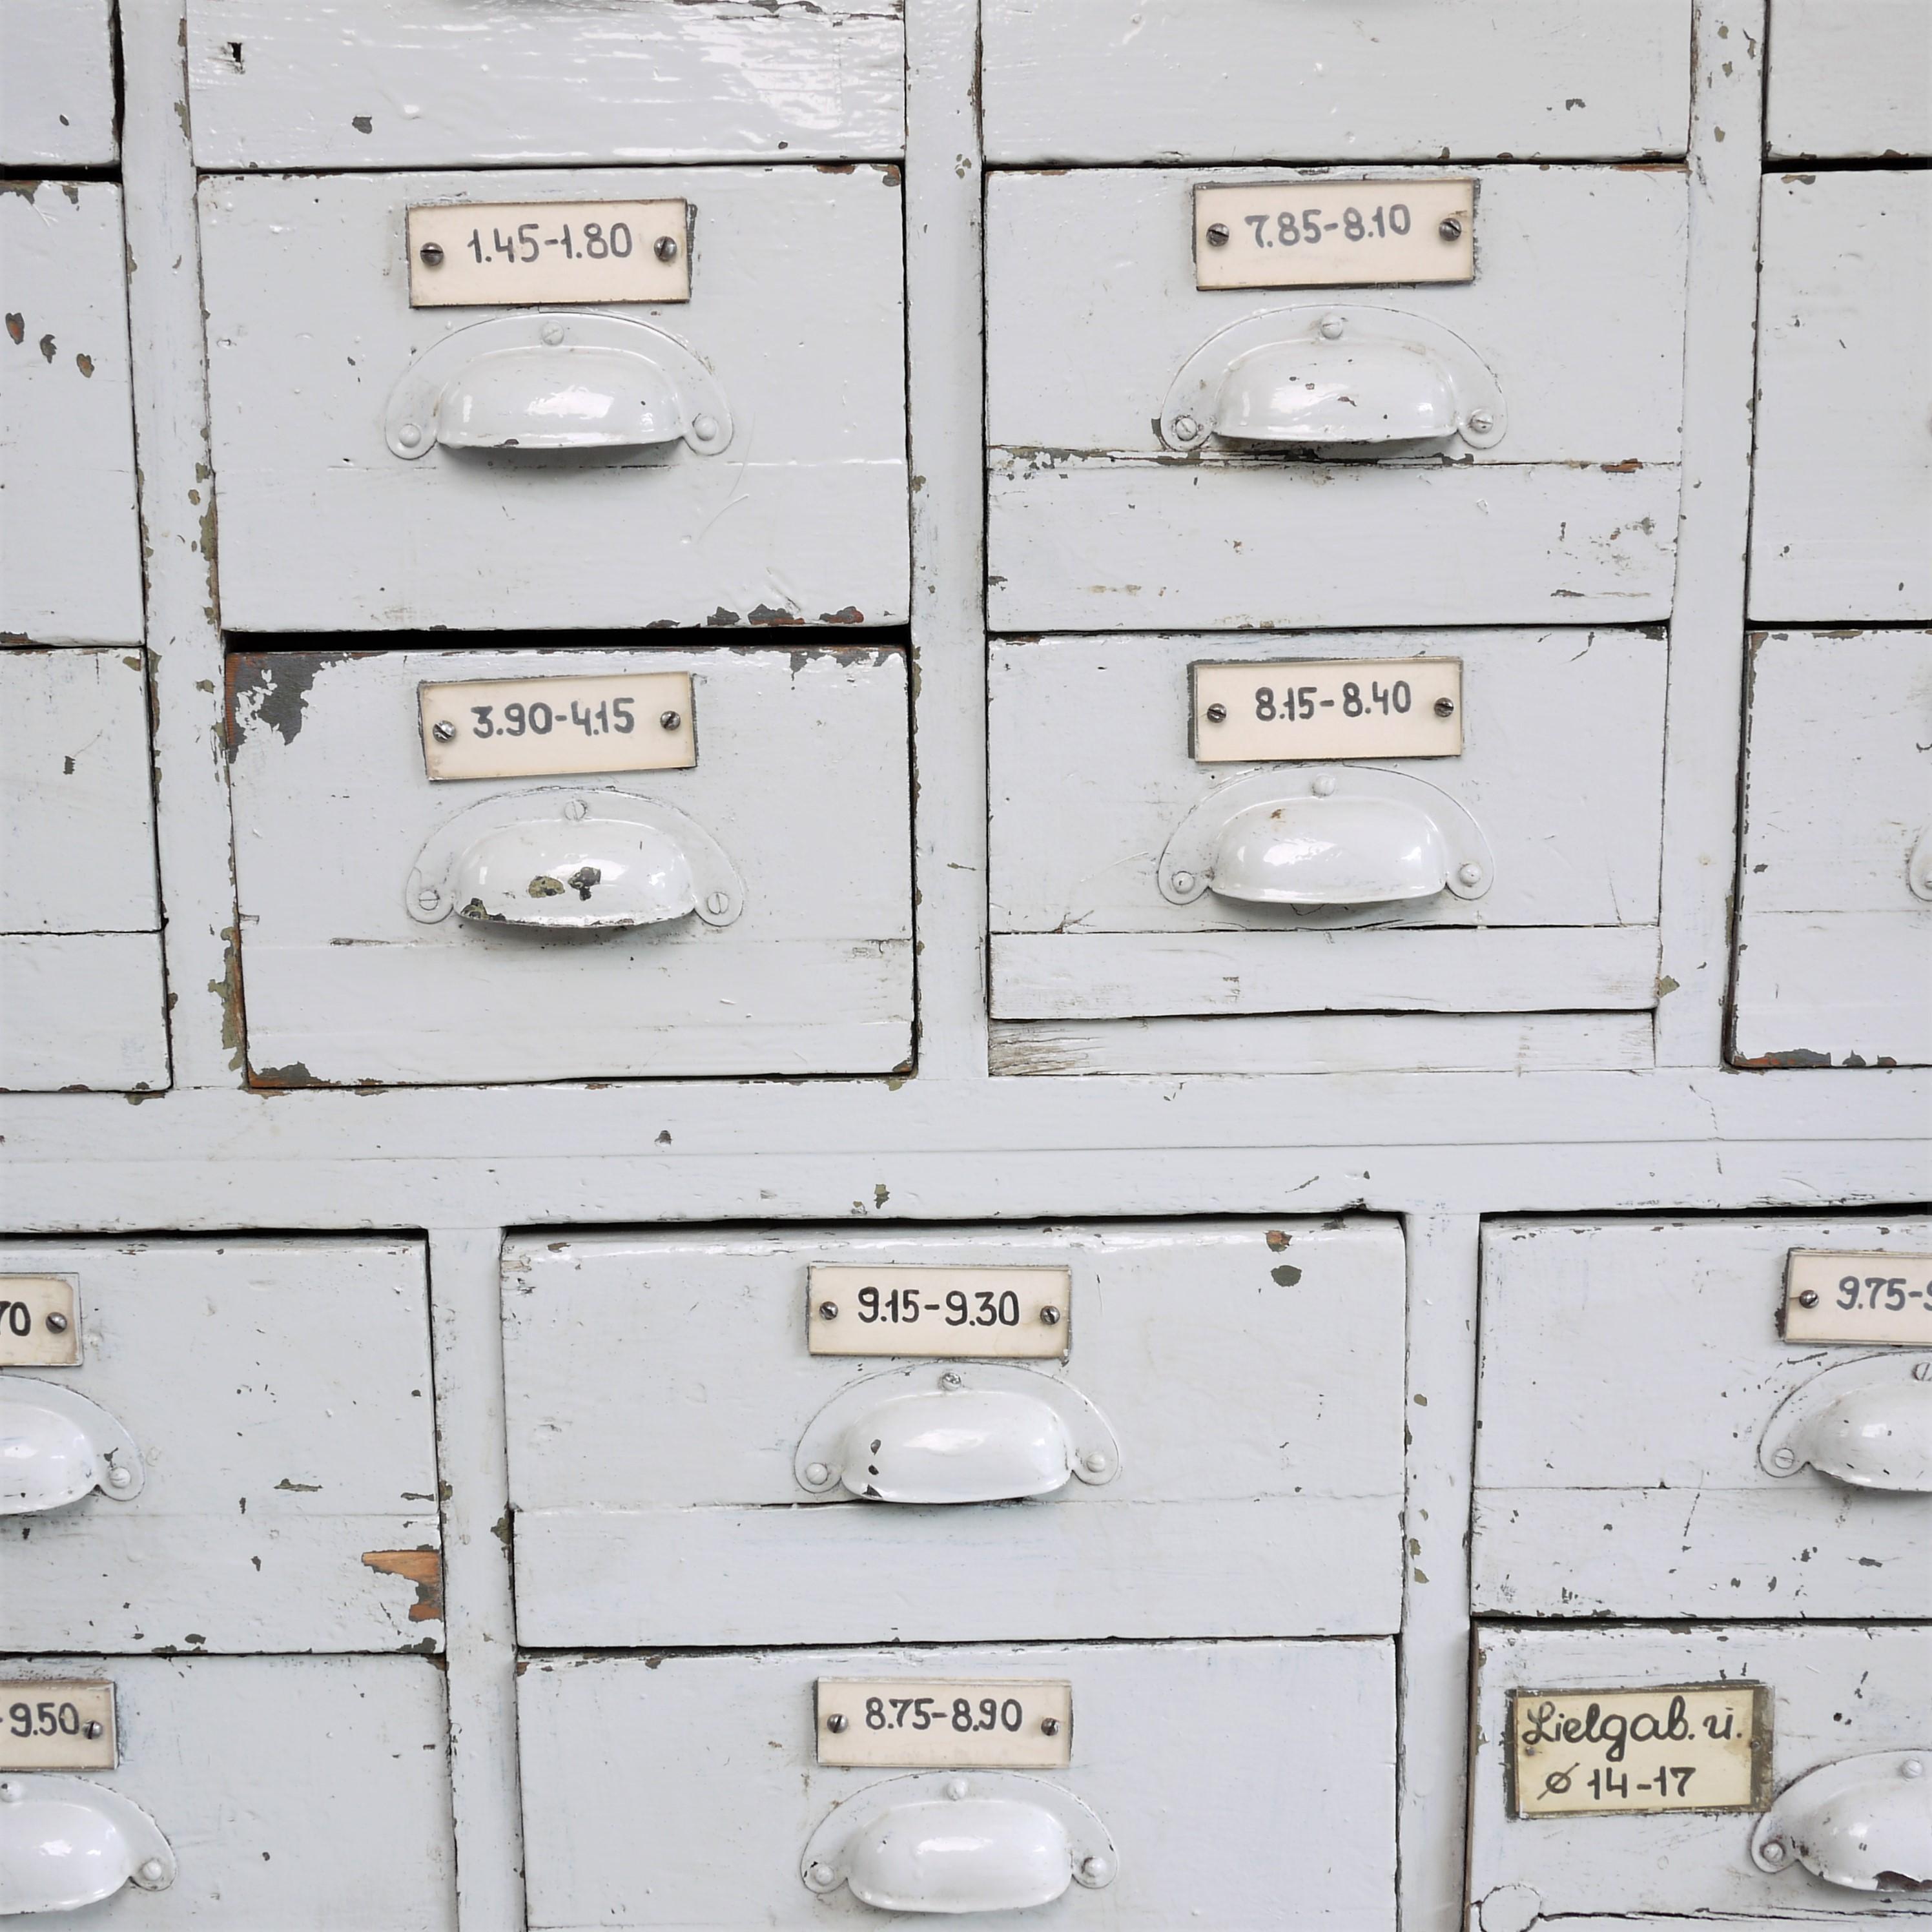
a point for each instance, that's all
(47, 1724)
(40, 1321)
(565, 727)
(1605, 1753)
(939, 1313)
(1868, 1301)
(1308, 710)
(1329, 234)
(945, 1723)
(513, 254)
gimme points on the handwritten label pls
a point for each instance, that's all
(1326, 708)
(40, 1321)
(49, 1725)
(528, 727)
(1680, 1747)
(940, 1314)
(1870, 1300)
(510, 254)
(945, 1723)
(1325, 234)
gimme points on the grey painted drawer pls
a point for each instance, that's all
(294, 1794)
(1101, 518)
(441, 83)
(796, 814)
(1849, 78)
(70, 555)
(80, 944)
(1240, 1382)
(1109, 80)
(1834, 916)
(1842, 474)
(272, 1400)
(1241, 1786)
(1835, 1692)
(332, 518)
(1092, 777)
(1634, 1377)
(57, 107)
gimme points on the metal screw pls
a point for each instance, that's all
(1333, 327)
(430, 254)
(1809, 1299)
(97, 1728)
(828, 1311)
(817, 1475)
(152, 1871)
(1050, 1727)
(409, 436)
(428, 900)
(1050, 1315)
(1785, 1458)
(717, 904)
(704, 428)
(552, 333)
(1470, 875)
(1217, 714)
(821, 1877)
(1183, 882)
(1095, 1870)
(118, 1477)
(1186, 428)
(1451, 228)
(1482, 422)
(952, 1379)
(576, 807)
(1922, 1372)
(957, 1789)
(1096, 1463)
(57, 1321)
(1911, 1768)
(1774, 1851)
(837, 1722)
(1445, 707)
(665, 247)
(1217, 235)
(442, 731)
(670, 720)
(1324, 784)
(11, 1793)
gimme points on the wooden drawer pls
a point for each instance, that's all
(1848, 79)
(57, 104)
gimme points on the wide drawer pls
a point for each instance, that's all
(81, 998)
(260, 1794)
(1834, 910)
(1653, 1445)
(1131, 876)
(756, 917)
(1236, 1786)
(548, 462)
(1503, 450)
(1849, 78)
(70, 545)
(218, 1444)
(1237, 80)
(441, 83)
(1815, 1742)
(57, 108)
(1205, 1438)
(1842, 473)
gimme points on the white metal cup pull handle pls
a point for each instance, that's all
(1864, 1823)
(56, 1447)
(1866, 1423)
(1351, 836)
(66, 1842)
(973, 1433)
(944, 1842)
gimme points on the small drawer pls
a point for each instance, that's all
(1503, 450)
(80, 942)
(1796, 1759)
(1653, 1443)
(1204, 1435)
(1131, 877)
(1834, 908)
(257, 1794)
(1235, 1786)
(1842, 474)
(224, 1445)
(555, 462)
(736, 900)
(57, 106)
(70, 559)
(1848, 79)
(1239, 80)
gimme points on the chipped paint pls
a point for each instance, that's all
(421, 1566)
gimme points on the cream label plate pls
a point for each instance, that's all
(47, 1725)
(1333, 234)
(1678, 1747)
(510, 254)
(1869, 1301)
(945, 1723)
(1330, 708)
(529, 727)
(976, 1314)
(40, 1321)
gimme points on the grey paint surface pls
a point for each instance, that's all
(57, 106)
(1848, 78)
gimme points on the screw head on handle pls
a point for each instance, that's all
(119, 1478)
(952, 1379)
(818, 1475)
(1773, 1852)
(151, 1871)
(1186, 428)
(1482, 422)
(1471, 874)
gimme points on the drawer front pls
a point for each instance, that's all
(1832, 1696)
(80, 946)
(1835, 908)
(57, 88)
(1106, 80)
(259, 1419)
(1100, 810)
(438, 83)
(1848, 78)
(1635, 1388)
(69, 559)
(1223, 1779)
(1240, 1383)
(1101, 352)
(1842, 474)
(795, 816)
(241, 1783)
(345, 505)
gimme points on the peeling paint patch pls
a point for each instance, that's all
(422, 1567)
(1286, 1276)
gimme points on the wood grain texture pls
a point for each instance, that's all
(1849, 78)
(718, 1751)
(279, 1393)
(1251, 1371)
(1110, 80)
(70, 560)
(57, 105)
(1630, 1370)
